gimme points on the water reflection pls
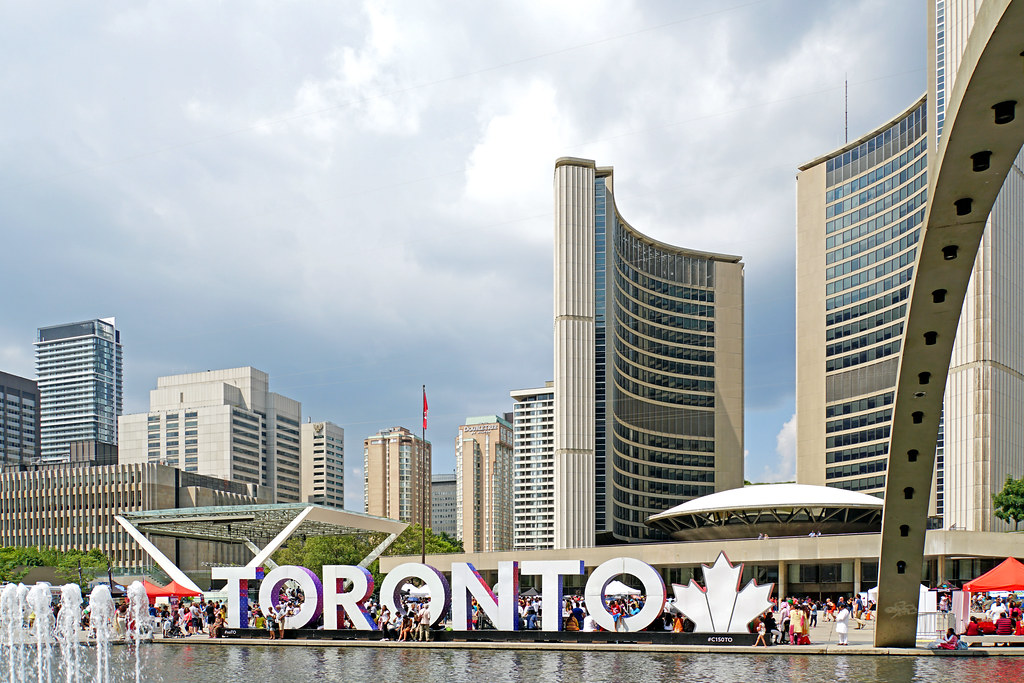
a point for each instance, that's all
(245, 664)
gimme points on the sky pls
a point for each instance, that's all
(356, 198)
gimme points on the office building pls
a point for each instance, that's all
(72, 507)
(19, 428)
(442, 504)
(323, 464)
(982, 440)
(648, 368)
(78, 368)
(859, 214)
(221, 423)
(533, 476)
(396, 476)
(483, 484)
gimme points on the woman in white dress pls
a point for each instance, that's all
(843, 624)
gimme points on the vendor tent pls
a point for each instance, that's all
(171, 590)
(617, 588)
(1008, 576)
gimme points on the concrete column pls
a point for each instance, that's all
(856, 575)
(782, 581)
(940, 570)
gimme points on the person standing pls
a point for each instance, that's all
(784, 615)
(424, 614)
(843, 624)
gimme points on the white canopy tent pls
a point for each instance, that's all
(617, 588)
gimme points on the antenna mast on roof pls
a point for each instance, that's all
(846, 109)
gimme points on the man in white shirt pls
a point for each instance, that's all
(996, 610)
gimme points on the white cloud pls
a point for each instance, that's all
(784, 469)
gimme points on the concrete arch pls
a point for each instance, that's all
(983, 132)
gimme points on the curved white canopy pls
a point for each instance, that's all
(774, 496)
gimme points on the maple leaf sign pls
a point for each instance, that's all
(720, 606)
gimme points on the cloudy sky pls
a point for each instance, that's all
(356, 197)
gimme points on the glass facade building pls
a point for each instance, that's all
(854, 273)
(79, 368)
(648, 367)
(855, 264)
(19, 420)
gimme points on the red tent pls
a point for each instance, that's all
(171, 590)
(1008, 576)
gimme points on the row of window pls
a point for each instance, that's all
(642, 335)
(871, 323)
(661, 302)
(854, 438)
(859, 421)
(664, 442)
(868, 227)
(877, 174)
(853, 343)
(680, 268)
(866, 356)
(648, 393)
(661, 287)
(911, 127)
(859, 405)
(636, 453)
(865, 484)
(876, 238)
(871, 290)
(662, 364)
(867, 307)
(661, 380)
(901, 261)
(876, 190)
(662, 317)
(874, 257)
(859, 453)
(643, 469)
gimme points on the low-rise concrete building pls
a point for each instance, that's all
(73, 507)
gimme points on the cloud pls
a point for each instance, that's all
(362, 197)
(784, 469)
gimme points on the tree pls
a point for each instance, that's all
(1009, 502)
(15, 563)
(313, 553)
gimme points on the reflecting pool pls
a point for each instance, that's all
(248, 664)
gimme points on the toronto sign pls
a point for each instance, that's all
(719, 606)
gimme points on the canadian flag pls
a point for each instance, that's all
(424, 407)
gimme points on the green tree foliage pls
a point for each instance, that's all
(1009, 502)
(317, 551)
(15, 563)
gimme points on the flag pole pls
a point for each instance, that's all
(423, 482)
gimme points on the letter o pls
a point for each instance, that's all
(311, 587)
(654, 590)
(391, 588)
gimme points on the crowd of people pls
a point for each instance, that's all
(791, 621)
